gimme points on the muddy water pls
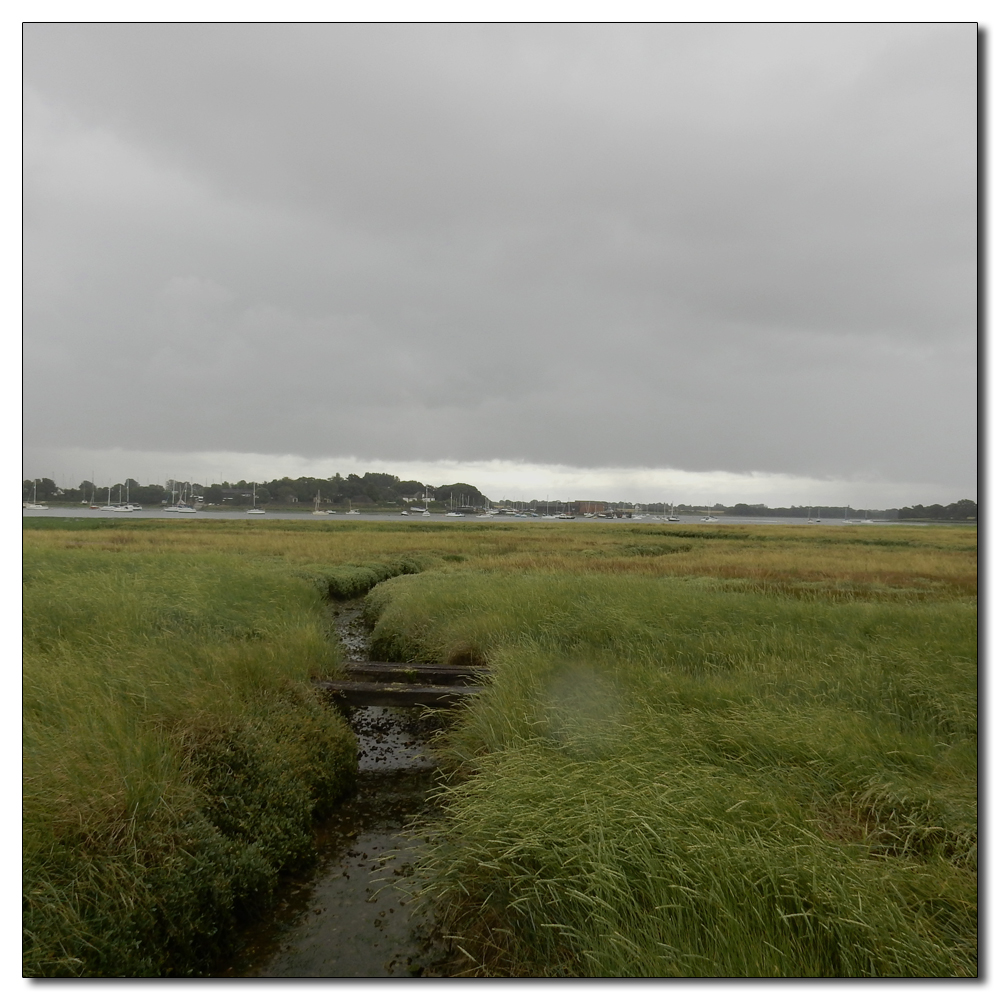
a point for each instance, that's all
(351, 916)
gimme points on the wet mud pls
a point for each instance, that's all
(352, 916)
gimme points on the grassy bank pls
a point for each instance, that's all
(706, 750)
(706, 776)
(175, 754)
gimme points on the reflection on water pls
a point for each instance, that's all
(351, 916)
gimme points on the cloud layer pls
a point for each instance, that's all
(747, 248)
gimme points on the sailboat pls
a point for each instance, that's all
(128, 503)
(109, 505)
(672, 516)
(34, 505)
(255, 509)
(422, 511)
(316, 501)
(183, 507)
(123, 508)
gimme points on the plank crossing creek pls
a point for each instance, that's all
(351, 915)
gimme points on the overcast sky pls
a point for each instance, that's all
(684, 262)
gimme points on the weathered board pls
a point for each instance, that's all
(399, 695)
(413, 673)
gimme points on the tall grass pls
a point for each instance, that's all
(899, 560)
(175, 755)
(673, 777)
(704, 751)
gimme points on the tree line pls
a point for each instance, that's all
(371, 488)
(382, 488)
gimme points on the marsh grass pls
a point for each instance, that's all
(175, 755)
(902, 560)
(675, 777)
(746, 751)
(340, 583)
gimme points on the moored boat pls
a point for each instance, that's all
(255, 509)
(34, 505)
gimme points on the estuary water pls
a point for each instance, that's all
(307, 515)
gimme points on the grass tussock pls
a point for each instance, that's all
(340, 583)
(175, 754)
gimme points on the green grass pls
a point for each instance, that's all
(739, 752)
(672, 777)
(175, 755)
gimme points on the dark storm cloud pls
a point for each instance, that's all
(693, 246)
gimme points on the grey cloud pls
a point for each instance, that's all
(703, 246)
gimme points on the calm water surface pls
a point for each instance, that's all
(240, 515)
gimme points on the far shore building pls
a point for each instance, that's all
(588, 506)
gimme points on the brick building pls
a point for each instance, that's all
(588, 506)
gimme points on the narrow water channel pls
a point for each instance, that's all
(351, 916)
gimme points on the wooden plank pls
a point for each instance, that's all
(413, 673)
(397, 695)
(446, 669)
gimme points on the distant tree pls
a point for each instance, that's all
(380, 480)
(964, 510)
(43, 489)
(747, 509)
(458, 491)
(961, 511)
(151, 494)
(375, 486)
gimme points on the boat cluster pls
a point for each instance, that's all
(506, 512)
